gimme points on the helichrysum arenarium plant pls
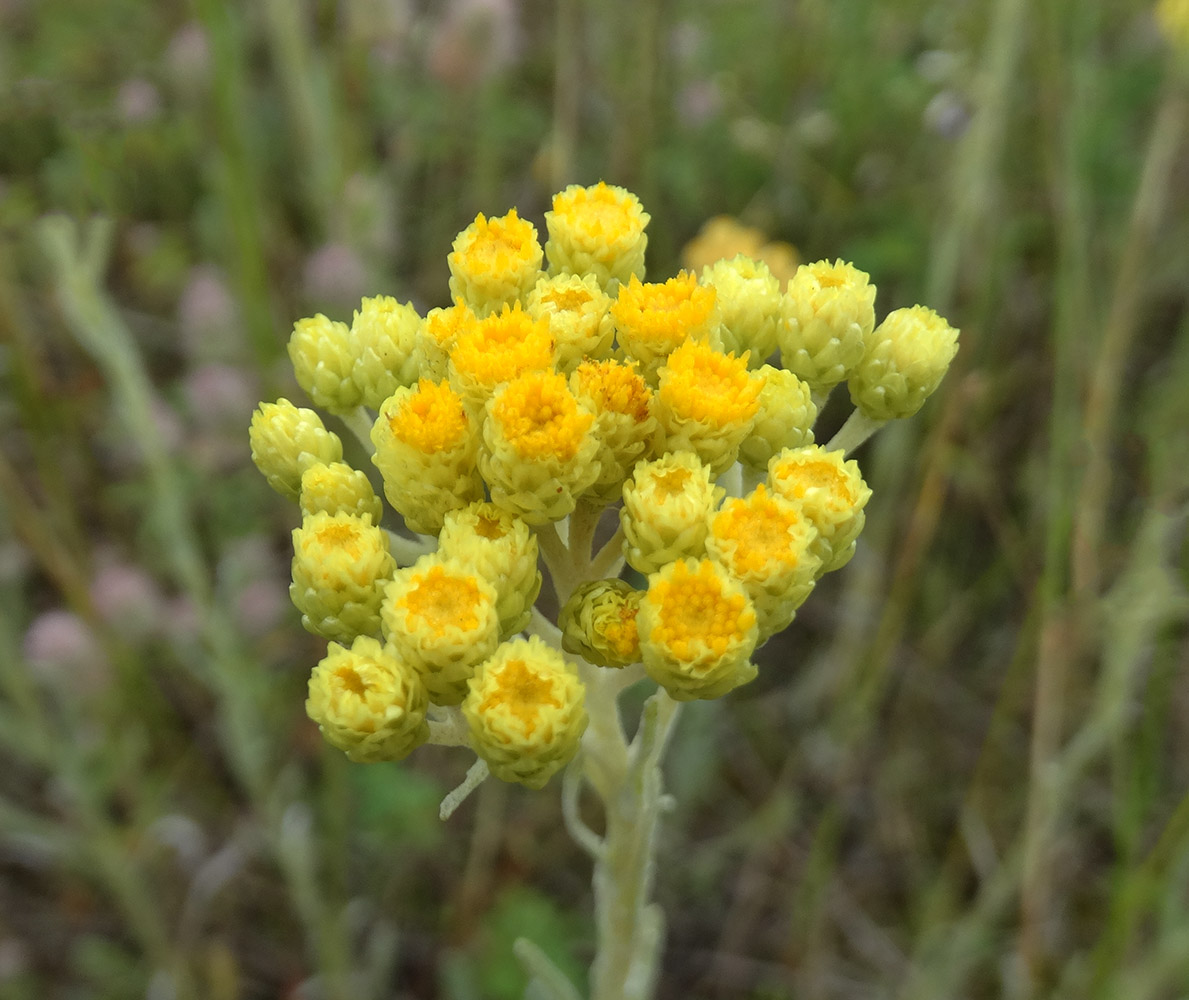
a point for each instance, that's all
(561, 386)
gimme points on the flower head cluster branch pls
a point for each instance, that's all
(558, 391)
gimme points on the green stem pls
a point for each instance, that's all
(857, 429)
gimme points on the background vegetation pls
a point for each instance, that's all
(962, 773)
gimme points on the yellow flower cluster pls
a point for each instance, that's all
(560, 382)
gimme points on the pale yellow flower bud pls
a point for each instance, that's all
(766, 543)
(653, 320)
(906, 358)
(503, 549)
(829, 314)
(707, 403)
(526, 712)
(624, 425)
(323, 361)
(597, 230)
(538, 452)
(336, 488)
(495, 350)
(341, 565)
(697, 630)
(666, 510)
(750, 304)
(831, 493)
(598, 623)
(426, 444)
(785, 418)
(437, 336)
(440, 616)
(578, 311)
(384, 339)
(286, 440)
(495, 262)
(367, 702)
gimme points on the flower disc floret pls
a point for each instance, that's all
(341, 565)
(440, 615)
(831, 493)
(906, 358)
(526, 712)
(597, 230)
(697, 630)
(426, 445)
(495, 262)
(367, 702)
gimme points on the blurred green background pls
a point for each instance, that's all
(962, 772)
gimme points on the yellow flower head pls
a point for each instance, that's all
(785, 418)
(495, 262)
(697, 630)
(906, 358)
(367, 702)
(502, 548)
(829, 314)
(652, 320)
(497, 349)
(579, 316)
(384, 336)
(765, 542)
(323, 361)
(286, 440)
(341, 565)
(440, 615)
(723, 237)
(337, 488)
(1172, 18)
(597, 230)
(707, 403)
(539, 453)
(438, 335)
(624, 425)
(598, 623)
(750, 304)
(666, 510)
(526, 712)
(831, 493)
(426, 444)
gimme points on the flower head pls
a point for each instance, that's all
(666, 510)
(598, 622)
(624, 425)
(829, 314)
(597, 230)
(440, 615)
(539, 453)
(697, 630)
(750, 304)
(578, 311)
(496, 350)
(426, 442)
(323, 361)
(906, 358)
(341, 564)
(495, 262)
(831, 493)
(384, 337)
(784, 420)
(653, 319)
(438, 334)
(367, 702)
(337, 488)
(286, 440)
(707, 403)
(526, 712)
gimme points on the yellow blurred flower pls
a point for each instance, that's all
(723, 237)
